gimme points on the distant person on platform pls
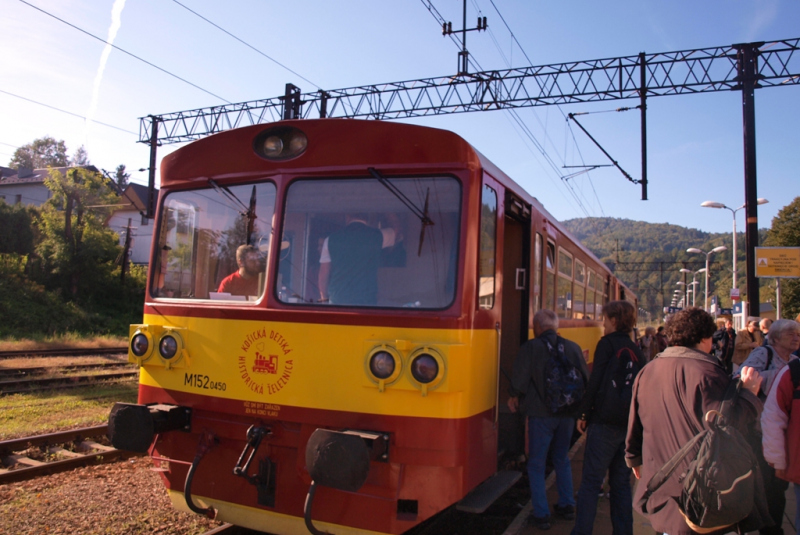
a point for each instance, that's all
(649, 344)
(243, 281)
(764, 326)
(724, 342)
(747, 340)
(661, 338)
(348, 270)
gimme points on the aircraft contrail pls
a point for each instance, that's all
(116, 22)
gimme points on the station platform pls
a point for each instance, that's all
(602, 524)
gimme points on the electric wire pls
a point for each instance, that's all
(67, 112)
(247, 44)
(125, 51)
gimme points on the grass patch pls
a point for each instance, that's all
(62, 341)
(37, 413)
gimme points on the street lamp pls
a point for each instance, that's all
(684, 292)
(694, 282)
(712, 204)
(708, 254)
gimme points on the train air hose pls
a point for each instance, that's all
(207, 441)
(307, 511)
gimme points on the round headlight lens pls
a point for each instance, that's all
(382, 365)
(424, 368)
(140, 344)
(297, 143)
(168, 347)
(273, 146)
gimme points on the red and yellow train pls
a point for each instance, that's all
(346, 384)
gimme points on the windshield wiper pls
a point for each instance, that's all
(245, 211)
(421, 214)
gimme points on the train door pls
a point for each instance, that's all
(516, 277)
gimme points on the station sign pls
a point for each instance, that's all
(778, 262)
(672, 310)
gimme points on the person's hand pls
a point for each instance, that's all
(581, 425)
(751, 379)
(513, 404)
(637, 471)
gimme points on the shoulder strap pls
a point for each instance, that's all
(660, 477)
(794, 369)
(769, 357)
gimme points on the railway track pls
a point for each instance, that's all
(21, 386)
(79, 352)
(18, 455)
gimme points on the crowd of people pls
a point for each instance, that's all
(645, 404)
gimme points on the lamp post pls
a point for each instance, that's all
(694, 282)
(708, 254)
(684, 292)
(712, 204)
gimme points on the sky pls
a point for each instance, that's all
(58, 81)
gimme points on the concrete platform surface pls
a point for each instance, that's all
(602, 524)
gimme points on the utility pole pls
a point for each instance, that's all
(125, 252)
(463, 55)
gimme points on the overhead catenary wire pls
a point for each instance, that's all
(65, 111)
(125, 51)
(220, 28)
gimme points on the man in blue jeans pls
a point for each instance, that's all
(545, 428)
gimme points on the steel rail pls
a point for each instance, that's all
(41, 370)
(24, 385)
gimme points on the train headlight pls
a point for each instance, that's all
(168, 347)
(140, 345)
(383, 366)
(280, 143)
(426, 369)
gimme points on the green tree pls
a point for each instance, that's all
(121, 177)
(41, 153)
(785, 232)
(76, 248)
(16, 229)
(81, 157)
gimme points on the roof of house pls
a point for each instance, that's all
(34, 176)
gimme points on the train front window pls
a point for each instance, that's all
(213, 243)
(370, 243)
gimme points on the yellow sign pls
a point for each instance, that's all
(778, 262)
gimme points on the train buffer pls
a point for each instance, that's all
(485, 494)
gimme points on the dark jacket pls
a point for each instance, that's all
(528, 376)
(603, 368)
(724, 342)
(670, 398)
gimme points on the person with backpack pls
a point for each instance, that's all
(604, 419)
(769, 360)
(780, 424)
(676, 399)
(551, 373)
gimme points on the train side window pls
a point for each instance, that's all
(564, 289)
(361, 242)
(488, 250)
(579, 310)
(550, 275)
(213, 235)
(590, 294)
(537, 272)
(602, 295)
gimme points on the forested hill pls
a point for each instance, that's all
(605, 235)
(648, 257)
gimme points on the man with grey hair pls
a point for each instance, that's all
(528, 380)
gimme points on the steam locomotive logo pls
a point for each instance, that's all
(265, 363)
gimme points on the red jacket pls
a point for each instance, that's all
(780, 425)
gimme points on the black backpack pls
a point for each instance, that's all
(623, 369)
(721, 483)
(564, 382)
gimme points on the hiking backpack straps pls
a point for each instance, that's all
(564, 384)
(719, 485)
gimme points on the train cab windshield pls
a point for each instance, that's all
(387, 242)
(214, 243)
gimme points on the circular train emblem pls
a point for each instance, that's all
(265, 363)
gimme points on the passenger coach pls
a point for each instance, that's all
(375, 387)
